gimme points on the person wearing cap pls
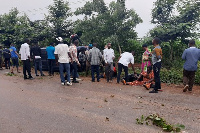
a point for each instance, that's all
(62, 50)
(145, 58)
(87, 53)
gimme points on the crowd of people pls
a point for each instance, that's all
(70, 60)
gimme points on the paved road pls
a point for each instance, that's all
(42, 105)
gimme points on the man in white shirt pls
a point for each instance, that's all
(109, 56)
(125, 59)
(25, 58)
(63, 53)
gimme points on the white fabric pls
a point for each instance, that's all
(62, 51)
(126, 58)
(109, 55)
(24, 51)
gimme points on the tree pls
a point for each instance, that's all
(114, 23)
(176, 20)
(58, 16)
(14, 28)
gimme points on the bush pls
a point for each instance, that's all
(175, 76)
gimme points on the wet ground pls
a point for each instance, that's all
(42, 105)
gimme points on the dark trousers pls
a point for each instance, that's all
(1, 62)
(109, 71)
(74, 68)
(189, 78)
(156, 70)
(7, 63)
(120, 66)
(38, 64)
(83, 66)
(26, 68)
(51, 64)
(95, 68)
(87, 68)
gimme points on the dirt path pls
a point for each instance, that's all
(42, 105)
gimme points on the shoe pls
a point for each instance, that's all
(145, 86)
(63, 83)
(153, 91)
(37, 75)
(30, 77)
(93, 80)
(110, 81)
(98, 80)
(42, 75)
(75, 81)
(186, 88)
(78, 79)
(25, 78)
(69, 83)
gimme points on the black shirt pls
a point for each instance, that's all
(35, 51)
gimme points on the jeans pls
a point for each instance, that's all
(109, 71)
(51, 64)
(66, 67)
(38, 63)
(74, 68)
(156, 70)
(120, 66)
(189, 78)
(27, 68)
(95, 68)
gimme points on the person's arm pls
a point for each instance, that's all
(132, 64)
(184, 55)
(158, 53)
(70, 56)
(90, 56)
(113, 53)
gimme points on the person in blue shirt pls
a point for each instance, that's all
(14, 57)
(191, 57)
(51, 58)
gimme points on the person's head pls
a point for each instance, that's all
(109, 45)
(149, 69)
(106, 46)
(94, 44)
(76, 42)
(133, 53)
(90, 46)
(27, 40)
(51, 44)
(144, 46)
(191, 43)
(156, 41)
(12, 44)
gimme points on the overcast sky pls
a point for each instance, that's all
(36, 9)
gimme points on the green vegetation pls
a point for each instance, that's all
(175, 21)
(156, 120)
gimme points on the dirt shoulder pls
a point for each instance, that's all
(43, 105)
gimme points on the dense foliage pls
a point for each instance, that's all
(176, 21)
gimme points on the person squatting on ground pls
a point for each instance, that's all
(51, 58)
(145, 58)
(36, 55)
(191, 57)
(109, 56)
(95, 61)
(62, 50)
(156, 61)
(15, 58)
(7, 56)
(74, 60)
(124, 60)
(25, 58)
